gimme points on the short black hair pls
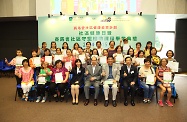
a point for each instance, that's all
(19, 50)
(170, 51)
(139, 43)
(59, 61)
(98, 42)
(58, 49)
(110, 57)
(88, 42)
(34, 50)
(125, 39)
(111, 42)
(25, 60)
(141, 51)
(147, 60)
(47, 49)
(118, 47)
(69, 50)
(127, 58)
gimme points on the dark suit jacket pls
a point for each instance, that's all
(77, 77)
(132, 76)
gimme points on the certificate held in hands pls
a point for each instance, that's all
(102, 60)
(48, 59)
(68, 64)
(140, 61)
(82, 58)
(37, 61)
(41, 80)
(173, 65)
(19, 61)
(58, 78)
(150, 79)
(119, 58)
(58, 57)
(167, 77)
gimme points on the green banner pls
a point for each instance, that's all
(82, 29)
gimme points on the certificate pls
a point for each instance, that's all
(140, 61)
(127, 56)
(167, 77)
(58, 57)
(126, 47)
(67, 65)
(102, 60)
(173, 65)
(119, 58)
(37, 61)
(41, 80)
(150, 79)
(95, 56)
(48, 59)
(19, 61)
(109, 81)
(82, 58)
(58, 78)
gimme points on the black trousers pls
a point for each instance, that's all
(126, 86)
(41, 89)
(61, 88)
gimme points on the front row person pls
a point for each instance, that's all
(77, 80)
(43, 81)
(129, 77)
(26, 73)
(110, 78)
(59, 80)
(147, 80)
(163, 85)
(93, 77)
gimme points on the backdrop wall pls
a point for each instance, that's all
(93, 28)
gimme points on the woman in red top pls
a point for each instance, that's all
(61, 84)
(69, 58)
(47, 52)
(164, 86)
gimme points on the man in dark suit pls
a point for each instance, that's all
(129, 77)
(93, 77)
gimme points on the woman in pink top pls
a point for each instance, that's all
(58, 81)
(69, 58)
(14, 62)
(26, 73)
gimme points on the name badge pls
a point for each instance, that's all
(132, 72)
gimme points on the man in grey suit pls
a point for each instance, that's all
(93, 77)
(110, 77)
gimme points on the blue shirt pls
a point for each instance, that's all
(110, 73)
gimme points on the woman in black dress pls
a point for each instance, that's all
(77, 80)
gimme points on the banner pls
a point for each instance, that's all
(92, 28)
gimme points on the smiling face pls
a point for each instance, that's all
(53, 45)
(119, 49)
(58, 52)
(68, 52)
(34, 54)
(169, 54)
(128, 61)
(47, 53)
(153, 51)
(164, 62)
(112, 44)
(105, 53)
(59, 65)
(88, 45)
(110, 60)
(65, 45)
(131, 51)
(18, 53)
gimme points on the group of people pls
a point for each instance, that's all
(114, 67)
